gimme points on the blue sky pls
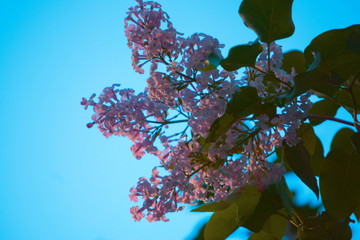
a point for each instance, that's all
(62, 181)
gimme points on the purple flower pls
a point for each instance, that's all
(178, 94)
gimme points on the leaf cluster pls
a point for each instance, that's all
(329, 66)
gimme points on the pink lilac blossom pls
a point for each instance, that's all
(150, 34)
(178, 93)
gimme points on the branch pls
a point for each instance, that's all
(167, 122)
(331, 119)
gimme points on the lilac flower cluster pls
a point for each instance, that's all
(179, 93)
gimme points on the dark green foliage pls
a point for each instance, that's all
(262, 236)
(317, 157)
(340, 182)
(270, 202)
(221, 205)
(339, 175)
(275, 226)
(349, 97)
(330, 66)
(333, 59)
(326, 107)
(270, 19)
(222, 223)
(338, 51)
(241, 56)
(294, 59)
(243, 103)
(353, 43)
(318, 77)
(213, 207)
(313, 146)
(285, 195)
(299, 160)
(308, 137)
(324, 227)
(355, 140)
(200, 234)
(250, 208)
(342, 140)
(357, 213)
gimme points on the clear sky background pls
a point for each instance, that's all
(62, 181)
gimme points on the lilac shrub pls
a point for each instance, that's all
(181, 92)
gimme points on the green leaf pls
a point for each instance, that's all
(270, 19)
(313, 146)
(317, 158)
(212, 207)
(344, 97)
(299, 161)
(267, 108)
(338, 51)
(285, 195)
(269, 203)
(276, 224)
(353, 43)
(247, 203)
(324, 107)
(342, 140)
(199, 233)
(355, 139)
(307, 210)
(294, 59)
(308, 137)
(337, 229)
(318, 77)
(324, 227)
(280, 159)
(243, 103)
(211, 63)
(241, 56)
(357, 212)
(223, 223)
(340, 183)
(236, 198)
(274, 228)
(262, 236)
